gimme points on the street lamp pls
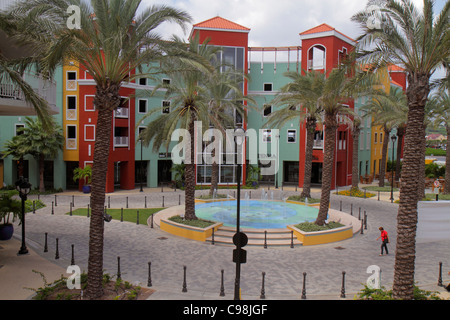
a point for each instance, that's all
(24, 188)
(239, 239)
(392, 169)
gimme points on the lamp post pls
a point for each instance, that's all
(393, 138)
(24, 188)
(140, 167)
(239, 239)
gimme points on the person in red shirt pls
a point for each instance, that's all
(384, 240)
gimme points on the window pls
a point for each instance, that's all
(71, 132)
(267, 135)
(267, 110)
(166, 106)
(71, 83)
(142, 106)
(143, 81)
(71, 137)
(19, 129)
(71, 75)
(166, 81)
(376, 137)
(267, 87)
(291, 136)
(140, 130)
(71, 102)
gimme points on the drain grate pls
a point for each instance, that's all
(162, 238)
(339, 248)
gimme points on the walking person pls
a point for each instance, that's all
(384, 240)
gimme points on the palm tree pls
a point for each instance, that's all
(356, 130)
(418, 42)
(114, 39)
(301, 101)
(41, 143)
(17, 150)
(189, 103)
(441, 115)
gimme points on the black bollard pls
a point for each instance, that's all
(263, 292)
(359, 214)
(365, 220)
(145, 202)
(57, 250)
(137, 218)
(437, 196)
(70, 210)
(343, 285)
(292, 239)
(73, 200)
(440, 275)
(34, 207)
(149, 281)
(378, 195)
(53, 210)
(265, 239)
(340, 205)
(88, 210)
(351, 209)
(362, 226)
(45, 244)
(163, 201)
(212, 242)
(304, 286)
(72, 262)
(184, 280)
(121, 214)
(179, 199)
(222, 288)
(152, 222)
(118, 268)
(109, 202)
(127, 202)
(56, 202)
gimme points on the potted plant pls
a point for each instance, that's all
(85, 174)
(9, 209)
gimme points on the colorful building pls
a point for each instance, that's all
(131, 163)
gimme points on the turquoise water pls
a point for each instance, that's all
(258, 214)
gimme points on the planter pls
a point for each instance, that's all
(86, 189)
(6, 231)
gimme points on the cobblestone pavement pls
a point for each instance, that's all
(137, 245)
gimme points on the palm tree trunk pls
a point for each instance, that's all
(214, 174)
(417, 93)
(106, 99)
(355, 170)
(400, 135)
(41, 173)
(328, 163)
(310, 131)
(189, 205)
(384, 157)
(447, 161)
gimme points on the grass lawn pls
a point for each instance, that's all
(432, 196)
(129, 215)
(381, 189)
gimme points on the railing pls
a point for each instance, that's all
(121, 113)
(316, 64)
(121, 141)
(44, 88)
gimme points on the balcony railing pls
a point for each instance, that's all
(121, 113)
(120, 141)
(44, 88)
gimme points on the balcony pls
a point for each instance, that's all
(121, 113)
(12, 99)
(120, 141)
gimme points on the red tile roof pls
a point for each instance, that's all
(323, 28)
(220, 23)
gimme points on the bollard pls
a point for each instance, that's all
(263, 291)
(359, 214)
(57, 250)
(137, 216)
(152, 222)
(378, 195)
(222, 288)
(109, 202)
(437, 196)
(179, 199)
(362, 226)
(184, 280)
(340, 205)
(295, 188)
(149, 281)
(163, 201)
(73, 200)
(343, 285)
(440, 275)
(365, 220)
(45, 243)
(88, 210)
(72, 261)
(265, 239)
(351, 209)
(145, 202)
(70, 210)
(127, 202)
(304, 286)
(53, 211)
(56, 202)
(118, 268)
(34, 207)
(121, 214)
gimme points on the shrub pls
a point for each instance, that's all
(354, 192)
(311, 226)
